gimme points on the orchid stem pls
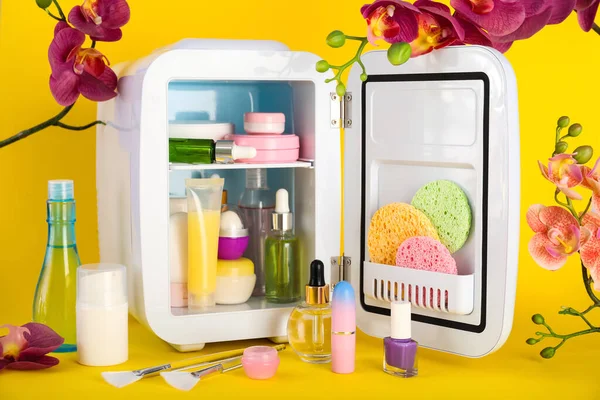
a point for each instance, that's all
(355, 59)
(93, 44)
(78, 128)
(60, 11)
(587, 208)
(53, 16)
(28, 132)
(596, 28)
(587, 282)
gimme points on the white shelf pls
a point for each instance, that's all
(433, 291)
(199, 167)
(254, 304)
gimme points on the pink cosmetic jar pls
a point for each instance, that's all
(256, 123)
(270, 149)
(260, 362)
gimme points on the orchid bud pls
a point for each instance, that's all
(336, 39)
(575, 130)
(583, 154)
(563, 122)
(532, 341)
(363, 77)
(548, 352)
(43, 3)
(322, 66)
(399, 53)
(537, 319)
(340, 89)
(561, 147)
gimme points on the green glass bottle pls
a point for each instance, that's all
(207, 151)
(55, 294)
(282, 272)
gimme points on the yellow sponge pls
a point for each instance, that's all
(393, 224)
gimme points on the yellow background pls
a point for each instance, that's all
(557, 74)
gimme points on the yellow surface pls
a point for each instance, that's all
(557, 72)
(203, 240)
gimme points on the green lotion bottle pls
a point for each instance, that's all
(281, 255)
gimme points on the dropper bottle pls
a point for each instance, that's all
(282, 275)
(309, 326)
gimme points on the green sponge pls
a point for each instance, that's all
(447, 206)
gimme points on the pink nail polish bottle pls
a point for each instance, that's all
(343, 329)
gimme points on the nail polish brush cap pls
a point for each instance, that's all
(401, 320)
(343, 308)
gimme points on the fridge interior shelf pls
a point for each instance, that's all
(199, 167)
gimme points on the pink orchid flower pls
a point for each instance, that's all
(391, 20)
(591, 180)
(101, 19)
(437, 28)
(558, 235)
(586, 13)
(564, 172)
(590, 252)
(76, 70)
(473, 33)
(25, 347)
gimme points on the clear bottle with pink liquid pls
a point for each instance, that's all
(257, 205)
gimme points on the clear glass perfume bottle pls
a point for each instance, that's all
(309, 326)
(282, 271)
(256, 205)
(400, 351)
(55, 294)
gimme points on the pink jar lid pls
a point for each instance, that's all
(266, 142)
(269, 118)
(260, 354)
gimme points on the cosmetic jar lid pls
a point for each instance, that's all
(267, 142)
(260, 354)
(200, 129)
(231, 268)
(232, 225)
(101, 285)
(264, 118)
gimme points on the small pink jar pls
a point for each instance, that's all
(270, 149)
(260, 362)
(256, 123)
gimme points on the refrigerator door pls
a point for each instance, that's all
(449, 115)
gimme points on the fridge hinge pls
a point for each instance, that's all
(340, 110)
(340, 269)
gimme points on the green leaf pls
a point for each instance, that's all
(43, 3)
(399, 53)
(336, 39)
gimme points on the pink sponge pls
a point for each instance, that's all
(425, 253)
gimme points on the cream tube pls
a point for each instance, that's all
(204, 218)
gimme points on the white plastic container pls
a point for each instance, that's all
(102, 333)
(200, 130)
(178, 249)
(451, 114)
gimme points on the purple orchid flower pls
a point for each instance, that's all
(586, 13)
(25, 347)
(507, 20)
(76, 70)
(101, 19)
(437, 28)
(391, 20)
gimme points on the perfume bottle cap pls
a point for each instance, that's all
(317, 292)
(61, 189)
(401, 320)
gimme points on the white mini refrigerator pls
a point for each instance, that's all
(451, 114)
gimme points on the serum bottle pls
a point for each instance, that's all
(282, 275)
(309, 326)
(400, 351)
